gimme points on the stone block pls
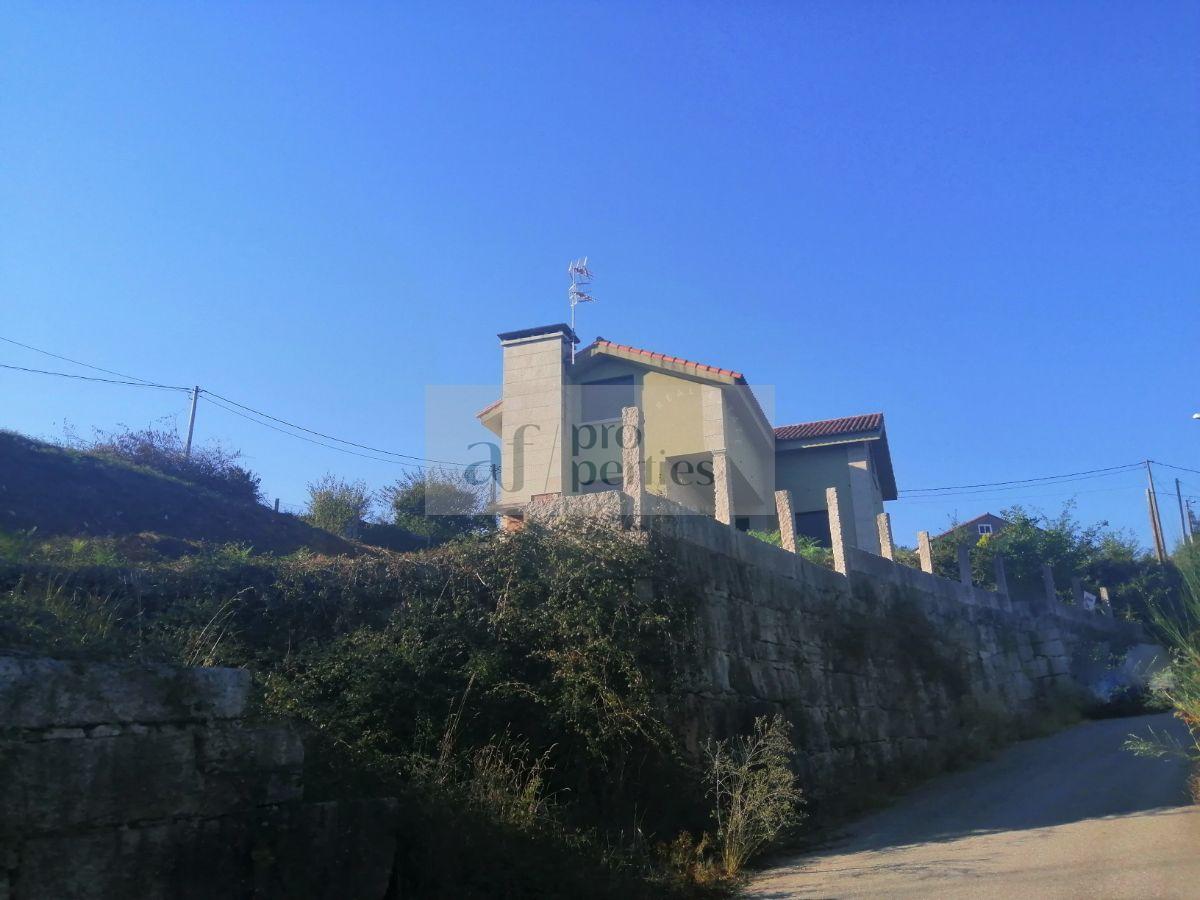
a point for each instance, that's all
(48, 693)
(54, 785)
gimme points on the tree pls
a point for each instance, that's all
(436, 504)
(338, 506)
(1095, 553)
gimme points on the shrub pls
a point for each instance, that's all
(808, 547)
(337, 506)
(755, 793)
(162, 449)
(436, 504)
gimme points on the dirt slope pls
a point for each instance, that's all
(63, 492)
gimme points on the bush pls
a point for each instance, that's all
(808, 547)
(437, 504)
(1099, 555)
(337, 506)
(211, 466)
(754, 790)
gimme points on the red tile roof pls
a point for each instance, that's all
(829, 427)
(662, 357)
(487, 409)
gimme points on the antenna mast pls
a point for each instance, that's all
(581, 280)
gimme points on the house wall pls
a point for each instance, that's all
(683, 418)
(807, 472)
(532, 458)
(866, 500)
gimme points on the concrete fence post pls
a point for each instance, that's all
(1001, 575)
(722, 488)
(837, 537)
(887, 546)
(1105, 602)
(633, 474)
(1048, 586)
(925, 551)
(964, 564)
(787, 520)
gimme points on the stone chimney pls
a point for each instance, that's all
(534, 412)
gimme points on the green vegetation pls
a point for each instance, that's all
(754, 789)
(1179, 684)
(337, 506)
(808, 547)
(1098, 554)
(508, 688)
(437, 505)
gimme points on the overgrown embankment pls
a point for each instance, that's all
(57, 491)
(508, 689)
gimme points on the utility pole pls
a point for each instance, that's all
(1160, 547)
(187, 448)
(1183, 522)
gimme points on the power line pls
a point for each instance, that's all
(1067, 476)
(302, 437)
(138, 383)
(1180, 468)
(987, 495)
(330, 437)
(142, 382)
(70, 360)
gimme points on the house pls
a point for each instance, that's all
(980, 526)
(705, 440)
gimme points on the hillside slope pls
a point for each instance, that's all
(64, 492)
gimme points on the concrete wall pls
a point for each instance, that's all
(137, 781)
(885, 673)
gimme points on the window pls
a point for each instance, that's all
(602, 401)
(984, 528)
(741, 523)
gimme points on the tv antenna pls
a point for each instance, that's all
(581, 280)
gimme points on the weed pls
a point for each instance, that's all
(755, 793)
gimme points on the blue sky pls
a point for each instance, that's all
(982, 219)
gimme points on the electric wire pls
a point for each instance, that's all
(70, 360)
(303, 438)
(1023, 481)
(139, 383)
(329, 437)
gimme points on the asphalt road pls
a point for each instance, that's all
(1072, 815)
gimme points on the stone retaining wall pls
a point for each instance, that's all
(884, 672)
(152, 781)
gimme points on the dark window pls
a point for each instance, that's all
(602, 401)
(814, 525)
(741, 523)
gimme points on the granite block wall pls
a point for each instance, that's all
(886, 672)
(153, 781)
